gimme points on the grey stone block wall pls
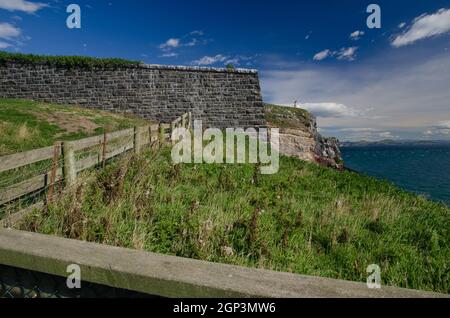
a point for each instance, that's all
(219, 97)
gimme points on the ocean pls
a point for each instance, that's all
(420, 169)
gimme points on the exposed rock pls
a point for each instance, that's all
(299, 136)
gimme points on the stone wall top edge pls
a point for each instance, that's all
(174, 68)
(199, 68)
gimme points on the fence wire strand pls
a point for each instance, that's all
(114, 148)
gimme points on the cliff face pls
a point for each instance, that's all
(299, 136)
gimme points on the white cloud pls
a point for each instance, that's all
(402, 25)
(443, 124)
(387, 93)
(322, 55)
(241, 59)
(191, 39)
(169, 54)
(356, 35)
(367, 134)
(197, 32)
(192, 42)
(424, 26)
(8, 31)
(209, 60)
(347, 53)
(329, 109)
(387, 135)
(233, 61)
(358, 129)
(21, 5)
(4, 45)
(441, 128)
(224, 59)
(170, 44)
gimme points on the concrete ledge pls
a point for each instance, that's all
(170, 276)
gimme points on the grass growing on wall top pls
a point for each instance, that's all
(26, 125)
(65, 61)
(305, 219)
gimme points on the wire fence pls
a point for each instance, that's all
(35, 176)
(31, 179)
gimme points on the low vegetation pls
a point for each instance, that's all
(287, 117)
(26, 125)
(65, 61)
(305, 219)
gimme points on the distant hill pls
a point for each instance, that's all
(389, 142)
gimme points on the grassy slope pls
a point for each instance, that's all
(287, 117)
(305, 219)
(26, 125)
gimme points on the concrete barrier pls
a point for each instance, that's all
(170, 276)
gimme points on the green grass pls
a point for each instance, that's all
(287, 117)
(65, 61)
(305, 219)
(26, 125)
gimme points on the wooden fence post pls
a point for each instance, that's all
(70, 172)
(161, 135)
(137, 139)
(56, 155)
(190, 120)
(150, 145)
(183, 121)
(172, 129)
(105, 141)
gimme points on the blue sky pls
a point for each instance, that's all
(361, 83)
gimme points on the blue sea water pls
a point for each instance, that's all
(420, 169)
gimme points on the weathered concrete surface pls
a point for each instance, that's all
(171, 276)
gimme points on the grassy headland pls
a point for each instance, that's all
(287, 117)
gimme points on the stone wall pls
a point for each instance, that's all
(219, 97)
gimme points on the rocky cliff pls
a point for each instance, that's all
(299, 136)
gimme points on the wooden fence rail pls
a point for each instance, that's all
(68, 158)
